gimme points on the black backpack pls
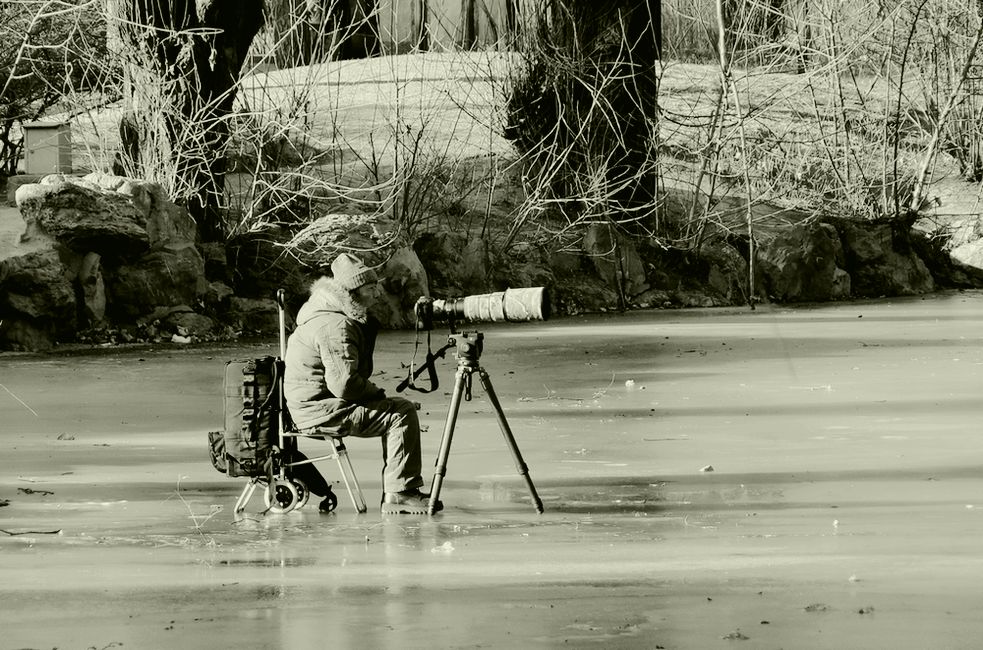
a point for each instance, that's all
(252, 411)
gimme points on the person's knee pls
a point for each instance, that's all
(405, 410)
(402, 405)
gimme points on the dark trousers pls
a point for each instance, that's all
(393, 419)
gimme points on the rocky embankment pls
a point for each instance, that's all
(109, 259)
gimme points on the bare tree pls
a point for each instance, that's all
(589, 94)
(45, 47)
(189, 54)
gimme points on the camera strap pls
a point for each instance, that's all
(429, 365)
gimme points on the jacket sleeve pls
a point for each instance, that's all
(340, 348)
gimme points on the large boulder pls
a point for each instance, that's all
(94, 252)
(456, 265)
(805, 264)
(404, 281)
(616, 260)
(173, 275)
(37, 301)
(577, 288)
(253, 316)
(727, 274)
(881, 261)
(109, 215)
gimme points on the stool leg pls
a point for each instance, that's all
(348, 475)
(245, 495)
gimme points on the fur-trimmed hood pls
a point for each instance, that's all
(327, 295)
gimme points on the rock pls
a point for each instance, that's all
(727, 275)
(93, 289)
(166, 222)
(84, 218)
(881, 261)
(969, 254)
(253, 316)
(330, 234)
(616, 260)
(216, 263)
(217, 297)
(37, 301)
(690, 298)
(582, 293)
(529, 266)
(475, 267)
(262, 267)
(188, 323)
(804, 263)
(25, 335)
(171, 276)
(654, 299)
(403, 280)
(895, 275)
(259, 267)
(14, 183)
(454, 265)
(111, 215)
(866, 242)
(124, 250)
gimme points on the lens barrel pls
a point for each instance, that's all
(512, 305)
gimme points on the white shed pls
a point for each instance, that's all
(47, 148)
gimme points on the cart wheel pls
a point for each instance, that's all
(329, 502)
(303, 493)
(285, 497)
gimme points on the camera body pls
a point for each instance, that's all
(512, 305)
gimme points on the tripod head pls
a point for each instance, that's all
(469, 346)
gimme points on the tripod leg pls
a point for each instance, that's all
(520, 465)
(440, 468)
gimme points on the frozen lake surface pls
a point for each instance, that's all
(844, 507)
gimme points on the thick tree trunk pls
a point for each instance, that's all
(596, 77)
(198, 50)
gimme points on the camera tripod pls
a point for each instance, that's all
(469, 346)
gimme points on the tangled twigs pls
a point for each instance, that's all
(32, 491)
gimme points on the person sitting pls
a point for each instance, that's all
(326, 382)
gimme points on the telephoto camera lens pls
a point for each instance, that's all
(512, 305)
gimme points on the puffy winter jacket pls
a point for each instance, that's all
(329, 356)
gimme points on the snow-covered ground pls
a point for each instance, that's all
(456, 100)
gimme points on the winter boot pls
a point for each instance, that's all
(410, 502)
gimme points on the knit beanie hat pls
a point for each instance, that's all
(350, 273)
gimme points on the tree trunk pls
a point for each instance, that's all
(197, 49)
(596, 78)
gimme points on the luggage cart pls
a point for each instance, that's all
(284, 487)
